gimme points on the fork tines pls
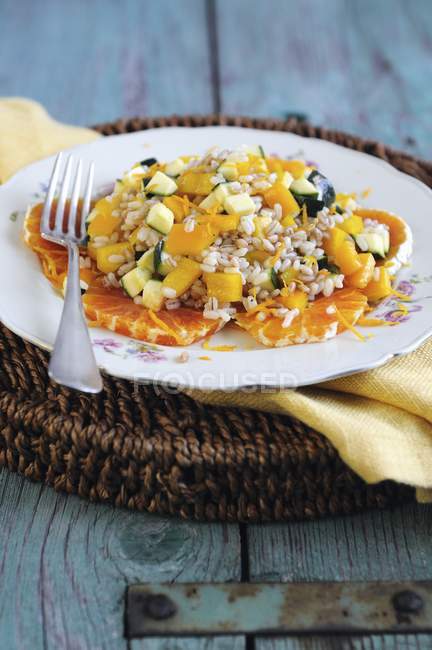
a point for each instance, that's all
(72, 227)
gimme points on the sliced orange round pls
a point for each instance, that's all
(110, 308)
(53, 257)
(321, 320)
(401, 240)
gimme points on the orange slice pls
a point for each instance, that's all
(313, 325)
(401, 240)
(110, 308)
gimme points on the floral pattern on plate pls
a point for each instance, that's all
(142, 351)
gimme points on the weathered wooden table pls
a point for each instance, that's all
(362, 66)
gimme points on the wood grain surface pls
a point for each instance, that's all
(360, 65)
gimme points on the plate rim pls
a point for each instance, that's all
(318, 377)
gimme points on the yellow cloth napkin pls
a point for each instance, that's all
(379, 421)
(28, 133)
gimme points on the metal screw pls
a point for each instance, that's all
(159, 607)
(407, 602)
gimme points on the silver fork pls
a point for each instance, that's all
(72, 361)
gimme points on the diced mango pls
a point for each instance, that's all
(296, 300)
(380, 288)
(288, 275)
(334, 241)
(104, 260)
(258, 256)
(346, 200)
(225, 287)
(347, 258)
(254, 165)
(288, 221)
(102, 223)
(221, 222)
(295, 167)
(353, 225)
(195, 183)
(92, 250)
(281, 194)
(363, 276)
(180, 242)
(133, 237)
(261, 223)
(178, 206)
(183, 276)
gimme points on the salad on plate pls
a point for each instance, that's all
(179, 250)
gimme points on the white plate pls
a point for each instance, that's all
(31, 308)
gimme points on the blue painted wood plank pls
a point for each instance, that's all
(357, 66)
(379, 545)
(90, 62)
(65, 564)
(373, 642)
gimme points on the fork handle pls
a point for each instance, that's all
(73, 362)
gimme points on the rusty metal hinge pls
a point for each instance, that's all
(266, 609)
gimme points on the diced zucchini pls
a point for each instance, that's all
(240, 204)
(134, 281)
(287, 180)
(161, 184)
(255, 150)
(377, 243)
(148, 162)
(313, 206)
(152, 295)
(303, 187)
(271, 282)
(146, 261)
(175, 167)
(161, 263)
(228, 170)
(160, 218)
(216, 198)
(138, 170)
(323, 263)
(325, 188)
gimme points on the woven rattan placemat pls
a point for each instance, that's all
(165, 453)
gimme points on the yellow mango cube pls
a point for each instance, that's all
(220, 222)
(380, 288)
(288, 276)
(178, 206)
(281, 194)
(361, 278)
(296, 300)
(101, 221)
(180, 242)
(353, 225)
(183, 276)
(225, 287)
(261, 223)
(258, 256)
(334, 241)
(197, 183)
(110, 258)
(347, 258)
